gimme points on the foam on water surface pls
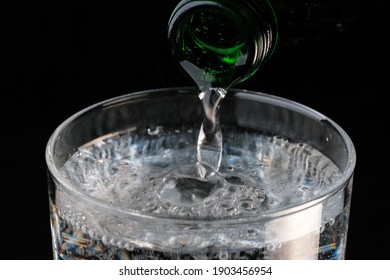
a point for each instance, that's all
(158, 173)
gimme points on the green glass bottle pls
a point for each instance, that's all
(222, 42)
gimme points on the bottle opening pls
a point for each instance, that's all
(221, 43)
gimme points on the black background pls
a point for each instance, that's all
(59, 57)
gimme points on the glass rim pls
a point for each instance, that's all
(341, 182)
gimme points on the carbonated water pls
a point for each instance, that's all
(153, 174)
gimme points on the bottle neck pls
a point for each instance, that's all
(222, 42)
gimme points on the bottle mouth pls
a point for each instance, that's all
(221, 42)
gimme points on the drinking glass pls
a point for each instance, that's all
(283, 190)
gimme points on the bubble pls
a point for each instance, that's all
(106, 240)
(72, 221)
(149, 206)
(120, 244)
(228, 208)
(304, 188)
(251, 232)
(273, 246)
(84, 229)
(113, 241)
(223, 255)
(235, 180)
(117, 166)
(246, 206)
(92, 234)
(129, 246)
(154, 131)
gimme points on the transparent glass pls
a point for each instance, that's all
(85, 226)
